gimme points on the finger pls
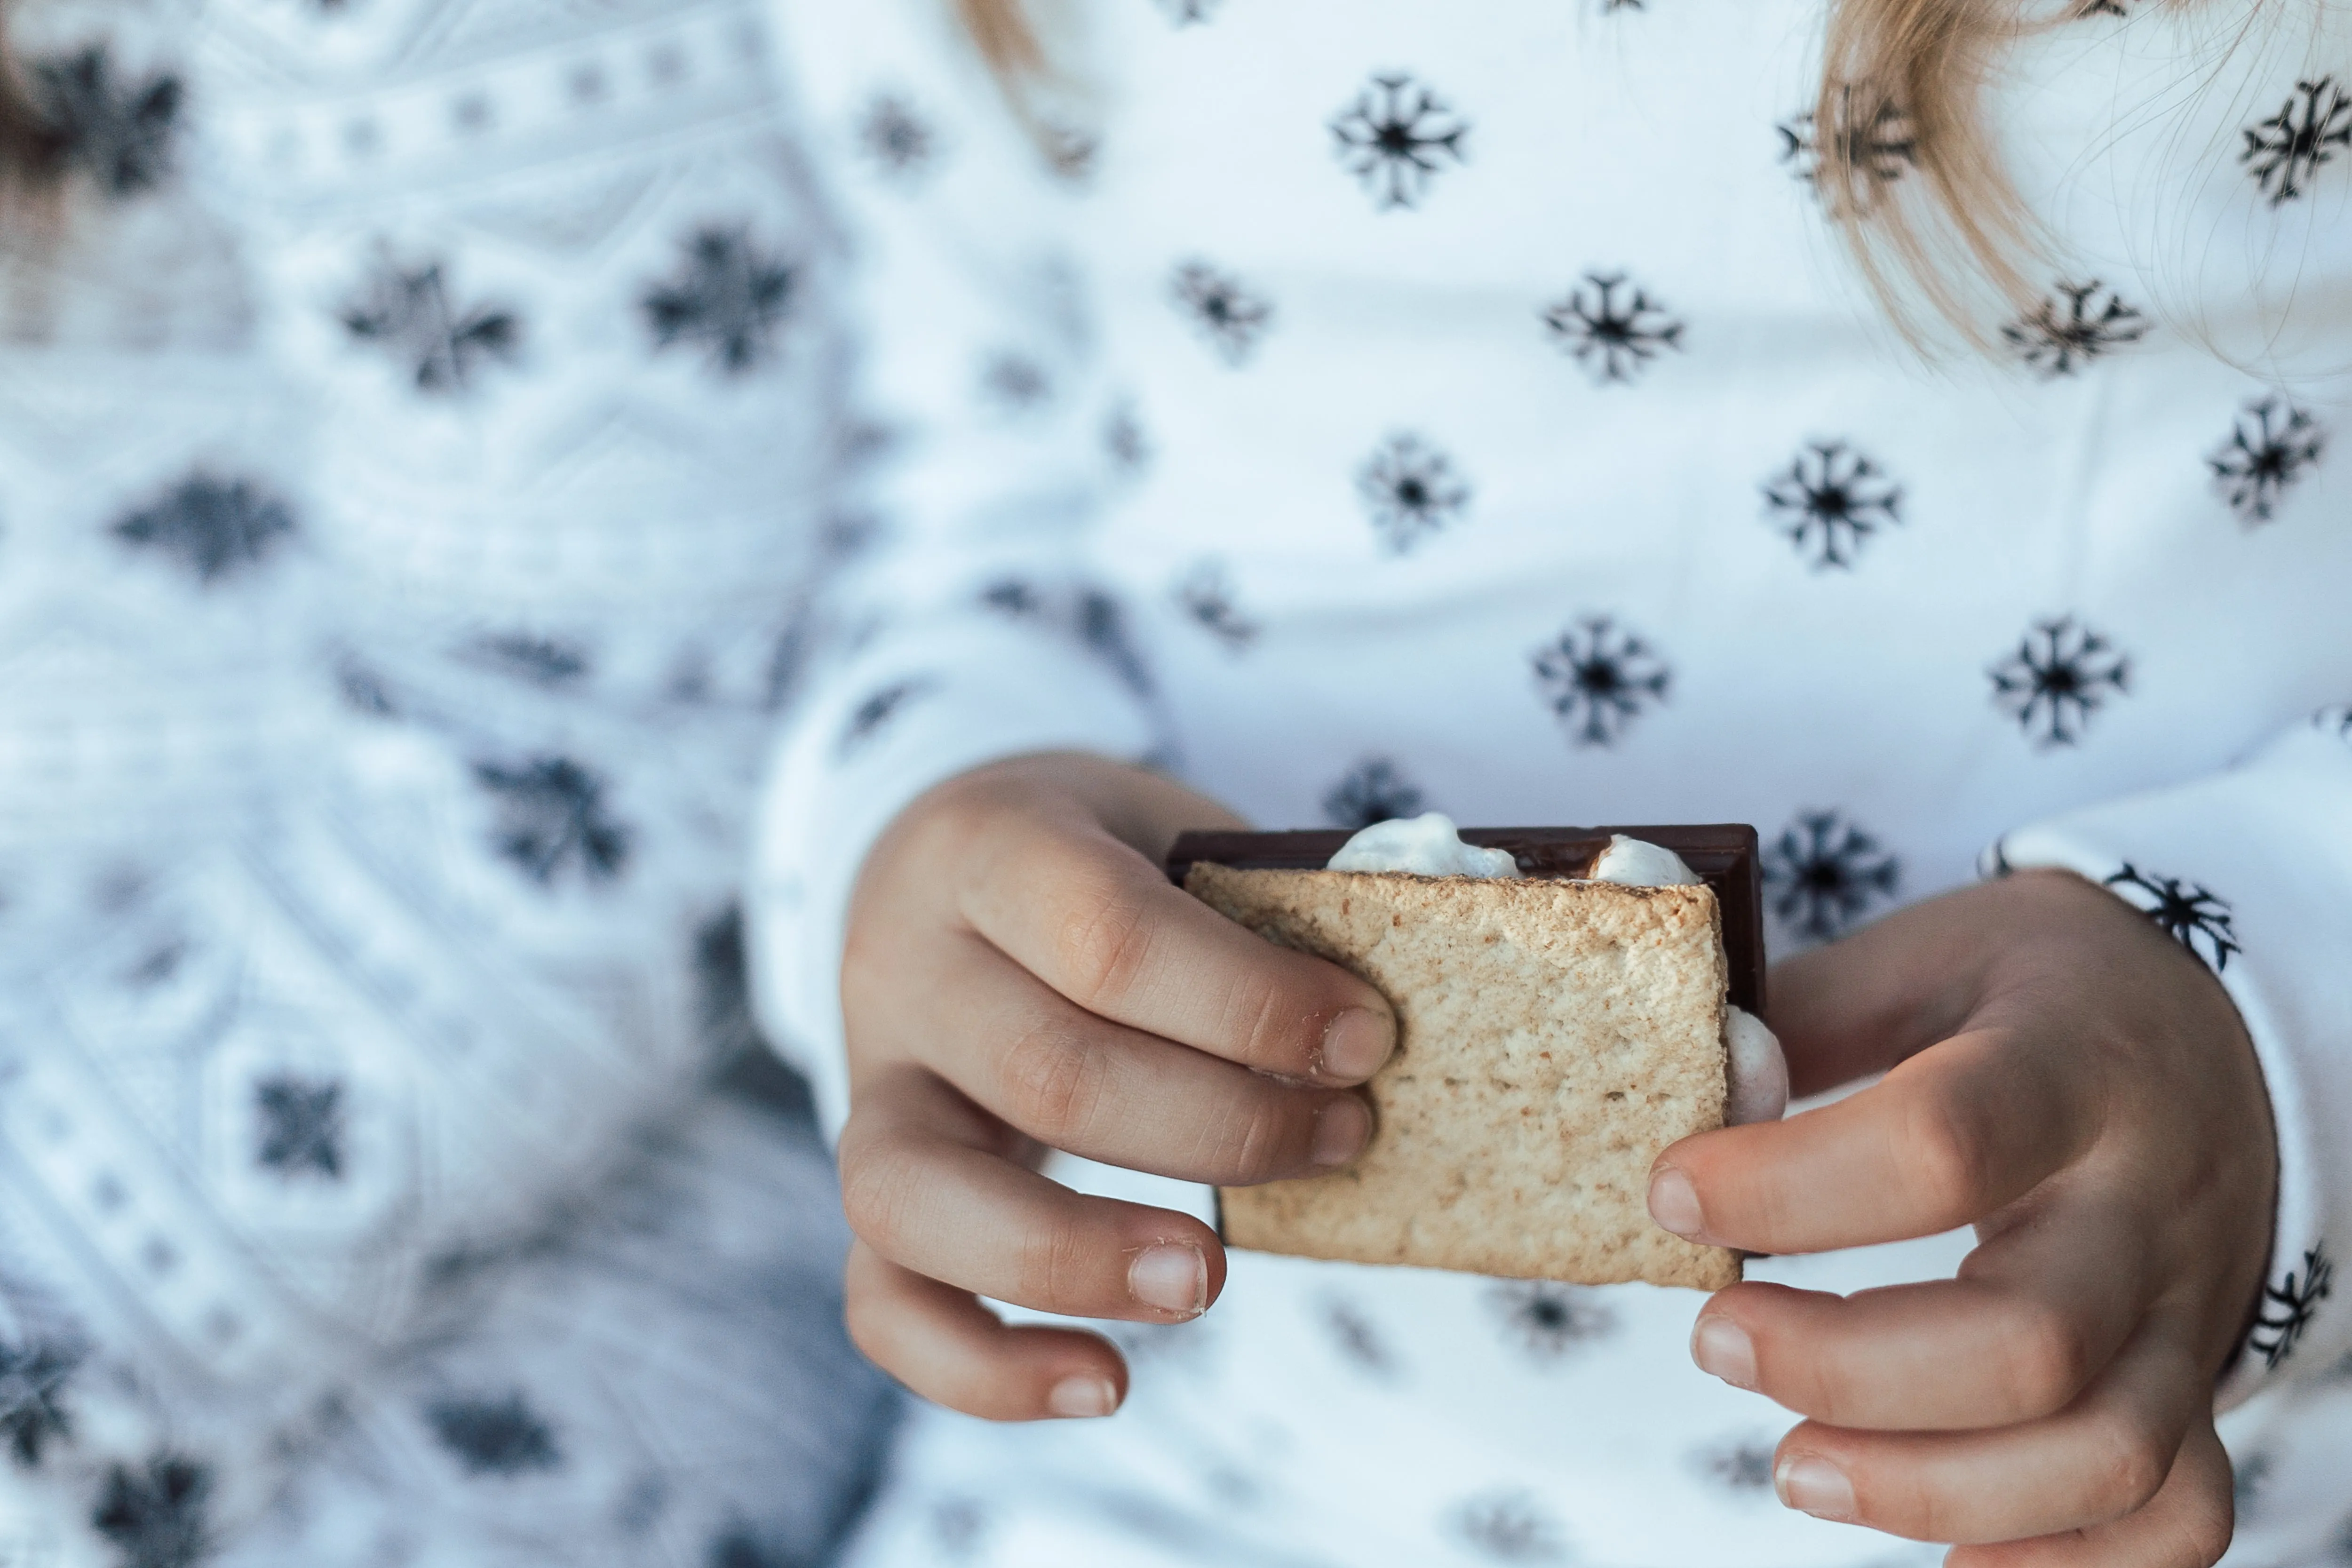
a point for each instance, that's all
(1103, 926)
(2102, 1458)
(921, 1193)
(2034, 1315)
(1945, 1139)
(951, 1349)
(1099, 1089)
(2186, 1525)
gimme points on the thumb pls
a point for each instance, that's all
(1861, 1004)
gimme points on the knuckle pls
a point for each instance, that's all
(2132, 1465)
(875, 1195)
(1053, 1083)
(1104, 943)
(1947, 1153)
(2047, 1359)
(1255, 1140)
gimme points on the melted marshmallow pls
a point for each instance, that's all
(1760, 1073)
(1636, 864)
(1428, 845)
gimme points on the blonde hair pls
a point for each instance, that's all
(1911, 71)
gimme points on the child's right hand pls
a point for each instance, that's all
(1020, 976)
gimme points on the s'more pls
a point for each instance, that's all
(1569, 1002)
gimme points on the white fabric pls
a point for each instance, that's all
(1573, 478)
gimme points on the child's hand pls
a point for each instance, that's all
(2076, 1084)
(1019, 975)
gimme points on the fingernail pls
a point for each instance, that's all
(1355, 1044)
(1341, 1131)
(1674, 1203)
(1170, 1277)
(1722, 1349)
(1812, 1485)
(1080, 1398)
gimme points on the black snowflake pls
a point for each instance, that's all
(216, 528)
(2249, 1478)
(1375, 789)
(541, 661)
(1872, 145)
(1071, 152)
(1207, 595)
(2192, 916)
(501, 1436)
(2272, 444)
(728, 297)
(897, 140)
(1410, 490)
(1743, 1465)
(2284, 151)
(1824, 873)
(363, 690)
(1124, 439)
(120, 134)
(301, 1126)
(1101, 626)
(1357, 1339)
(2061, 674)
(1014, 597)
(1014, 382)
(2337, 721)
(1830, 501)
(1395, 137)
(1231, 317)
(1598, 678)
(554, 813)
(1547, 1320)
(1189, 12)
(407, 313)
(154, 1515)
(2058, 339)
(739, 1546)
(2287, 1307)
(1613, 329)
(33, 1378)
(1508, 1527)
(869, 717)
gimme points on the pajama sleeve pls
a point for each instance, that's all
(961, 629)
(2251, 871)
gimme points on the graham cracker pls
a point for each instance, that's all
(1555, 1036)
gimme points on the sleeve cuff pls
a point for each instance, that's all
(880, 733)
(2250, 870)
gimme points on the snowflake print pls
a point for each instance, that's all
(1206, 595)
(1224, 310)
(1357, 1339)
(408, 313)
(1547, 1320)
(1188, 13)
(1410, 490)
(1830, 501)
(2338, 720)
(728, 298)
(1741, 1465)
(33, 1378)
(154, 1515)
(1823, 874)
(554, 813)
(957, 1523)
(2061, 674)
(2058, 340)
(1395, 138)
(1613, 330)
(1014, 597)
(1014, 384)
(1102, 628)
(738, 1546)
(896, 140)
(501, 1436)
(543, 661)
(1070, 152)
(1375, 789)
(2190, 915)
(2287, 1308)
(300, 1127)
(2284, 151)
(119, 133)
(1872, 146)
(1598, 679)
(214, 528)
(871, 716)
(1124, 439)
(1508, 1527)
(2249, 1478)
(2268, 451)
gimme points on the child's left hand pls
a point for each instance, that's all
(2076, 1084)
